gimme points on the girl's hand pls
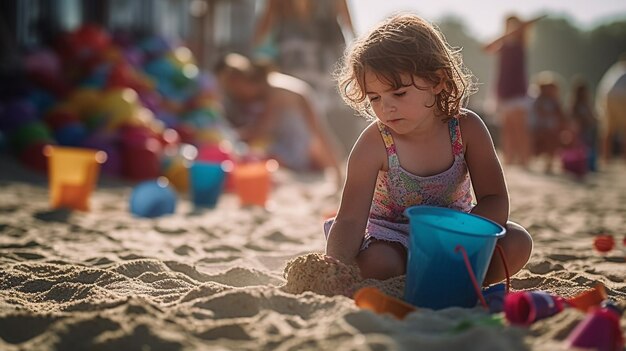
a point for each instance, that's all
(346, 275)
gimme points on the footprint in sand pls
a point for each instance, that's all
(184, 250)
(19, 328)
(279, 237)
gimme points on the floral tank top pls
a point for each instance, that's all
(397, 189)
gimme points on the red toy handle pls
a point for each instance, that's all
(470, 271)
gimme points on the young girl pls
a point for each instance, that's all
(549, 120)
(422, 149)
(585, 120)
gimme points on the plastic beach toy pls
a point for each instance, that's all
(107, 142)
(494, 297)
(253, 181)
(588, 299)
(176, 163)
(207, 183)
(218, 153)
(449, 253)
(575, 160)
(604, 243)
(28, 134)
(153, 198)
(72, 173)
(526, 307)
(600, 330)
(141, 152)
(375, 300)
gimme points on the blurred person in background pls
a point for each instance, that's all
(306, 39)
(511, 90)
(584, 120)
(611, 103)
(548, 119)
(276, 115)
(308, 36)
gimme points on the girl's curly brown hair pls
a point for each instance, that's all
(405, 44)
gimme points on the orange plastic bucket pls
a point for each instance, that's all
(253, 182)
(73, 173)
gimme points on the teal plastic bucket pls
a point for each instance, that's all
(207, 183)
(437, 275)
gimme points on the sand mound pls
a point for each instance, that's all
(313, 272)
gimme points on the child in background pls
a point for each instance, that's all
(549, 119)
(422, 148)
(585, 121)
(276, 113)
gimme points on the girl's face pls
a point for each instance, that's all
(406, 109)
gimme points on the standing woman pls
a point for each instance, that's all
(511, 91)
(308, 36)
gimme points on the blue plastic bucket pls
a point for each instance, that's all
(436, 274)
(153, 198)
(207, 183)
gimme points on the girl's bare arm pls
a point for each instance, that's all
(488, 181)
(364, 163)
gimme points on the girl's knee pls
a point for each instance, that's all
(518, 232)
(517, 242)
(516, 246)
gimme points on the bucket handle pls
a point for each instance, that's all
(506, 267)
(470, 271)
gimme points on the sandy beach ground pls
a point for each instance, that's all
(214, 279)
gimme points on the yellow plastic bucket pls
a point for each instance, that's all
(73, 173)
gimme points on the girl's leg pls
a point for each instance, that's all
(517, 246)
(382, 260)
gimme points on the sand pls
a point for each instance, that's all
(236, 278)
